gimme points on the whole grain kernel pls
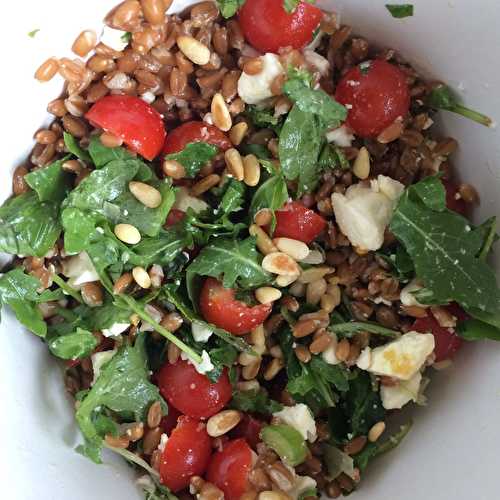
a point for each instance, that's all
(220, 114)
(173, 353)
(154, 415)
(305, 327)
(122, 283)
(276, 352)
(342, 350)
(146, 194)
(296, 249)
(263, 217)
(298, 289)
(280, 263)
(84, 43)
(222, 422)
(92, 294)
(141, 277)
(57, 108)
(75, 126)
(250, 372)
(172, 321)
(251, 170)
(273, 368)
(19, 184)
(277, 84)
(234, 163)
(376, 431)
(174, 169)
(249, 385)
(127, 233)
(238, 132)
(267, 294)
(194, 50)
(45, 137)
(246, 359)
(329, 302)
(391, 133)
(273, 495)
(283, 281)
(303, 353)
(47, 70)
(354, 446)
(154, 10)
(205, 184)
(361, 167)
(253, 66)
(444, 317)
(151, 440)
(134, 431)
(414, 311)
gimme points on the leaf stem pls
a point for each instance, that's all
(66, 288)
(353, 327)
(472, 115)
(489, 241)
(132, 457)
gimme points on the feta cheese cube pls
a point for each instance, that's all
(183, 201)
(99, 359)
(299, 417)
(395, 397)
(114, 39)
(80, 270)
(204, 367)
(329, 355)
(201, 332)
(406, 296)
(341, 136)
(115, 329)
(317, 61)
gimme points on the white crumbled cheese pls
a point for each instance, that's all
(148, 97)
(257, 88)
(300, 485)
(155, 314)
(163, 442)
(183, 201)
(99, 359)
(341, 136)
(205, 366)
(364, 211)
(115, 329)
(395, 397)
(402, 358)
(406, 296)
(114, 39)
(201, 332)
(316, 42)
(328, 354)
(299, 417)
(79, 269)
(365, 359)
(317, 61)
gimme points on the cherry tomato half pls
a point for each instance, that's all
(174, 216)
(218, 306)
(229, 468)
(169, 422)
(298, 222)
(268, 27)
(186, 454)
(135, 121)
(190, 132)
(249, 429)
(376, 93)
(453, 200)
(190, 392)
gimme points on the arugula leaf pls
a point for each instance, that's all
(101, 155)
(28, 226)
(260, 151)
(228, 8)
(254, 401)
(194, 156)
(76, 345)
(224, 355)
(232, 199)
(122, 387)
(51, 183)
(235, 262)
(474, 329)
(263, 118)
(399, 11)
(332, 157)
(271, 194)
(74, 148)
(444, 249)
(442, 97)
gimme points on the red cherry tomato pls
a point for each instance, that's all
(190, 392)
(174, 216)
(376, 97)
(186, 454)
(249, 429)
(229, 468)
(169, 422)
(218, 306)
(453, 200)
(298, 222)
(447, 341)
(190, 132)
(135, 121)
(268, 27)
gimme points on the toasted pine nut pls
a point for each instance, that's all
(296, 249)
(303, 328)
(376, 431)
(361, 167)
(342, 350)
(174, 169)
(127, 233)
(273, 368)
(315, 290)
(280, 263)
(205, 184)
(238, 132)
(328, 303)
(141, 277)
(320, 343)
(219, 424)
(234, 163)
(146, 194)
(264, 243)
(314, 274)
(250, 372)
(122, 283)
(253, 66)
(246, 359)
(283, 281)
(194, 50)
(220, 114)
(47, 70)
(84, 43)
(267, 294)
(297, 289)
(263, 217)
(314, 257)
(251, 169)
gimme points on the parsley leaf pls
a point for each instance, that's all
(271, 194)
(51, 183)
(76, 345)
(254, 401)
(74, 148)
(194, 156)
(228, 8)
(101, 155)
(399, 11)
(263, 118)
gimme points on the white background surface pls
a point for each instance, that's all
(452, 451)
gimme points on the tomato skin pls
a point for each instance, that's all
(134, 120)
(268, 27)
(169, 422)
(229, 468)
(454, 203)
(249, 429)
(219, 307)
(174, 216)
(375, 97)
(186, 454)
(298, 222)
(195, 131)
(192, 393)
(447, 341)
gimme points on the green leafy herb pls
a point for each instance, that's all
(33, 33)
(263, 118)
(399, 11)
(228, 8)
(194, 156)
(75, 345)
(351, 328)
(444, 248)
(74, 148)
(332, 157)
(51, 183)
(233, 198)
(28, 226)
(271, 194)
(481, 326)
(126, 37)
(489, 229)
(255, 401)
(442, 97)
(101, 155)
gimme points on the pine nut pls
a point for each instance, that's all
(234, 163)
(263, 217)
(296, 249)
(238, 132)
(205, 184)
(303, 353)
(84, 43)
(218, 425)
(121, 442)
(298, 289)
(361, 167)
(315, 290)
(342, 350)
(264, 243)
(321, 343)
(328, 303)
(154, 415)
(246, 359)
(194, 50)
(314, 274)
(280, 476)
(283, 281)
(376, 431)
(250, 372)
(314, 258)
(47, 70)
(122, 283)
(220, 114)
(267, 294)
(303, 328)
(146, 194)
(273, 495)
(127, 233)
(253, 66)
(280, 263)
(251, 170)
(354, 446)
(141, 277)
(273, 368)
(174, 169)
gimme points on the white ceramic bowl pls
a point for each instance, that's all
(452, 451)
